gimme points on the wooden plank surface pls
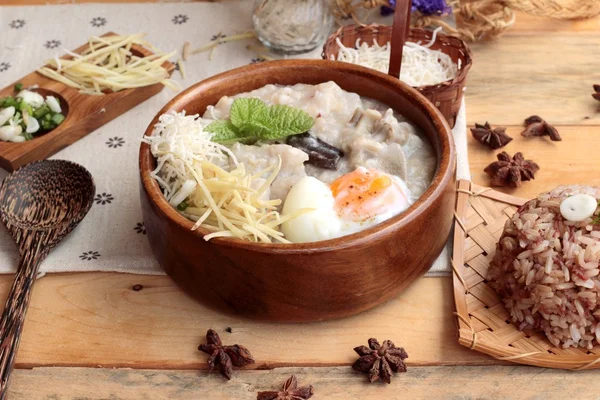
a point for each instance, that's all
(574, 160)
(513, 77)
(458, 383)
(534, 25)
(539, 66)
(97, 319)
(548, 74)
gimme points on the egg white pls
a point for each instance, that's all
(322, 222)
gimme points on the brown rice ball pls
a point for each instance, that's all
(546, 270)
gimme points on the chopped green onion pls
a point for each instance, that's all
(40, 112)
(182, 206)
(18, 87)
(47, 125)
(58, 118)
(27, 136)
(23, 106)
(47, 117)
(9, 102)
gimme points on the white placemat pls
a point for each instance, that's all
(112, 237)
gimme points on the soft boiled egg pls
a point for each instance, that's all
(353, 202)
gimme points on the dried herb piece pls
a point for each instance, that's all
(596, 95)
(380, 360)
(290, 391)
(509, 171)
(224, 356)
(596, 220)
(320, 154)
(493, 138)
(536, 126)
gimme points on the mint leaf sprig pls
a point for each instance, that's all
(250, 120)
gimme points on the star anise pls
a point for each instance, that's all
(224, 356)
(596, 95)
(536, 126)
(380, 360)
(493, 138)
(290, 391)
(509, 171)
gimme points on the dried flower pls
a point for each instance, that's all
(431, 7)
(493, 138)
(380, 360)
(225, 356)
(536, 126)
(509, 171)
(596, 95)
(290, 391)
(425, 7)
(388, 10)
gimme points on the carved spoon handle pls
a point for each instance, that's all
(13, 317)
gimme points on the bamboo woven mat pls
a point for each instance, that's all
(483, 322)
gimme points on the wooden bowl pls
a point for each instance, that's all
(308, 281)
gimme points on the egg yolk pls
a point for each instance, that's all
(363, 194)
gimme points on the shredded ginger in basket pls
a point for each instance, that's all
(420, 64)
(227, 203)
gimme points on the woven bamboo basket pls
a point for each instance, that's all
(446, 96)
(484, 324)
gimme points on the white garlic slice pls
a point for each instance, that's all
(6, 114)
(7, 133)
(53, 104)
(32, 125)
(34, 99)
(17, 139)
(578, 207)
(25, 116)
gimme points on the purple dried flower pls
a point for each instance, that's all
(432, 7)
(385, 10)
(425, 7)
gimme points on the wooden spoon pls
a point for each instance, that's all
(400, 31)
(40, 203)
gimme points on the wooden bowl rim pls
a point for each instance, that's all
(443, 174)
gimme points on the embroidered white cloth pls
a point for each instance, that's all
(112, 236)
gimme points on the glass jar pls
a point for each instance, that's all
(292, 26)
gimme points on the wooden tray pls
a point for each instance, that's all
(483, 321)
(85, 114)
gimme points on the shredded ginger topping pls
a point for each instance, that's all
(420, 65)
(191, 170)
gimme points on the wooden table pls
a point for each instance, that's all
(146, 341)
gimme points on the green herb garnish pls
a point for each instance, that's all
(58, 118)
(24, 106)
(251, 120)
(18, 87)
(40, 112)
(8, 102)
(596, 219)
(182, 206)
